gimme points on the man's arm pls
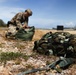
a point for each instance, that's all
(19, 24)
(18, 18)
(25, 25)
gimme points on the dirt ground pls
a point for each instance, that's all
(34, 61)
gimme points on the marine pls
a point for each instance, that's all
(20, 20)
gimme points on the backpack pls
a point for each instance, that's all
(41, 45)
(58, 43)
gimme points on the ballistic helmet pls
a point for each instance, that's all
(29, 11)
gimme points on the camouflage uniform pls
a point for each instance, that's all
(17, 21)
(19, 18)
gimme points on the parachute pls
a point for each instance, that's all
(23, 34)
(26, 34)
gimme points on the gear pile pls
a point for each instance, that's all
(58, 43)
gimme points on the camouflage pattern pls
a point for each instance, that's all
(12, 30)
(16, 23)
(58, 43)
(18, 19)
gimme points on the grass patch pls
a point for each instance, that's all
(1, 45)
(5, 56)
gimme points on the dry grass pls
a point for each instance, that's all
(39, 33)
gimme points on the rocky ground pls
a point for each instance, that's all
(33, 60)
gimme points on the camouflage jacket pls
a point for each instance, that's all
(19, 19)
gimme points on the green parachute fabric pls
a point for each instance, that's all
(65, 62)
(26, 34)
(62, 63)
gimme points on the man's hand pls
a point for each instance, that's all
(24, 26)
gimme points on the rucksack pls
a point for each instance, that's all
(58, 43)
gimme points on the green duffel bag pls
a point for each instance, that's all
(26, 34)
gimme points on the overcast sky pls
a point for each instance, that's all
(46, 13)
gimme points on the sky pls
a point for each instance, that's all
(46, 13)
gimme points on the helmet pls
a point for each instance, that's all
(29, 11)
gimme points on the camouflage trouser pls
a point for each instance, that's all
(11, 30)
